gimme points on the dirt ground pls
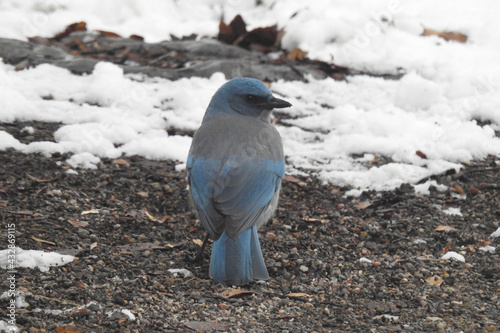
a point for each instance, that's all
(337, 264)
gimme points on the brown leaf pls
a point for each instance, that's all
(312, 220)
(295, 180)
(238, 25)
(230, 293)
(446, 35)
(444, 228)
(198, 242)
(364, 205)
(458, 189)
(150, 216)
(421, 154)
(79, 26)
(296, 55)
(299, 295)
(40, 180)
(121, 161)
(434, 280)
(474, 191)
(207, 326)
(229, 33)
(39, 240)
(262, 36)
(108, 33)
(76, 223)
(90, 211)
(69, 329)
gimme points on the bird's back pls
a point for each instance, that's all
(235, 167)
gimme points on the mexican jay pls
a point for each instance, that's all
(235, 166)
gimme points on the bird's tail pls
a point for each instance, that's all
(238, 261)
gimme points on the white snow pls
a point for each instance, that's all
(496, 233)
(453, 255)
(6, 327)
(340, 127)
(182, 271)
(34, 258)
(452, 211)
(488, 249)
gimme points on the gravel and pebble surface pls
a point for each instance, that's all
(367, 264)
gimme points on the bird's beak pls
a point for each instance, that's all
(276, 103)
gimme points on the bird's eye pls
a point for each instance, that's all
(251, 98)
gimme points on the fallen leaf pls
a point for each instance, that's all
(230, 293)
(40, 180)
(299, 295)
(458, 189)
(444, 228)
(121, 161)
(434, 280)
(364, 205)
(76, 223)
(207, 326)
(108, 33)
(294, 180)
(421, 154)
(473, 190)
(42, 241)
(90, 211)
(149, 215)
(79, 26)
(296, 55)
(313, 220)
(446, 35)
(69, 329)
(198, 242)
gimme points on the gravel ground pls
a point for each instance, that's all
(367, 264)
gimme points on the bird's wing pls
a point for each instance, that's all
(244, 191)
(234, 171)
(202, 175)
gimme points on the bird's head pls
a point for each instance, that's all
(246, 96)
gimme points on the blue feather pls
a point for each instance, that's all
(235, 166)
(238, 261)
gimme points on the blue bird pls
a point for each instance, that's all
(234, 168)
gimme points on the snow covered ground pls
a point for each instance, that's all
(341, 127)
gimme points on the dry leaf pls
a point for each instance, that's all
(294, 180)
(421, 154)
(308, 219)
(38, 180)
(296, 55)
(299, 295)
(198, 242)
(446, 35)
(458, 189)
(150, 216)
(69, 329)
(76, 223)
(364, 205)
(90, 211)
(42, 241)
(79, 26)
(444, 228)
(121, 161)
(434, 280)
(229, 293)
